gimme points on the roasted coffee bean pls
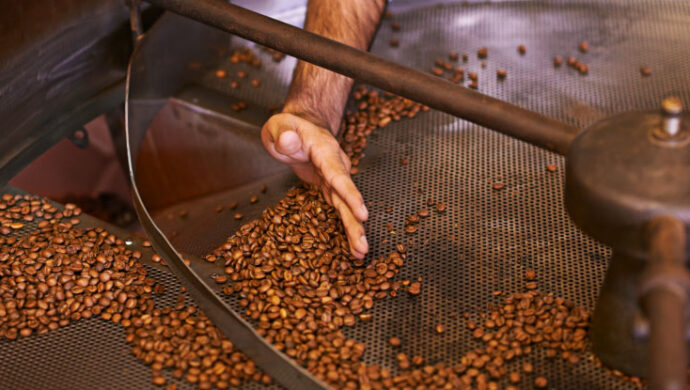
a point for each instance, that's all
(253, 199)
(414, 288)
(482, 53)
(440, 328)
(522, 49)
(540, 382)
(395, 26)
(255, 82)
(394, 42)
(501, 73)
(394, 341)
(551, 167)
(440, 207)
(437, 71)
(646, 71)
(453, 56)
(220, 73)
(498, 185)
(583, 46)
(557, 61)
(238, 216)
(158, 381)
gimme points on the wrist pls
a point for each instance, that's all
(313, 115)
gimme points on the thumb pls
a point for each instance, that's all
(283, 140)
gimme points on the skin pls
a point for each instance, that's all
(303, 134)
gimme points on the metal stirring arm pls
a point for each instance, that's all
(433, 91)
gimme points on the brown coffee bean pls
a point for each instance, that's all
(522, 49)
(527, 367)
(453, 56)
(482, 53)
(253, 199)
(498, 185)
(645, 71)
(540, 382)
(437, 71)
(501, 73)
(557, 61)
(394, 341)
(158, 381)
(440, 328)
(220, 73)
(551, 167)
(395, 26)
(583, 46)
(411, 229)
(238, 216)
(414, 288)
(394, 42)
(530, 274)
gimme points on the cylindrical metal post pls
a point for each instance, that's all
(422, 87)
(664, 300)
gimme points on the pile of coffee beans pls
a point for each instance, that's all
(294, 276)
(61, 273)
(374, 110)
(185, 340)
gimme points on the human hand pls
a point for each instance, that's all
(316, 157)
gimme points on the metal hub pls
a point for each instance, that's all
(622, 173)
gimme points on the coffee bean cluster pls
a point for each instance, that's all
(373, 110)
(61, 273)
(296, 279)
(18, 210)
(184, 340)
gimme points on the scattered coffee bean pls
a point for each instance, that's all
(482, 53)
(557, 61)
(501, 73)
(394, 42)
(522, 49)
(394, 341)
(646, 71)
(540, 382)
(498, 185)
(414, 288)
(583, 46)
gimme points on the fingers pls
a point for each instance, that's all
(353, 228)
(337, 175)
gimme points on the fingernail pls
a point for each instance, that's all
(364, 211)
(363, 241)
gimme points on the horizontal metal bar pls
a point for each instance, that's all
(424, 88)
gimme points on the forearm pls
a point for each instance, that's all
(319, 94)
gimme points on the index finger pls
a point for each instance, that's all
(327, 160)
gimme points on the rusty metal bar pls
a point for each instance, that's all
(664, 298)
(433, 91)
